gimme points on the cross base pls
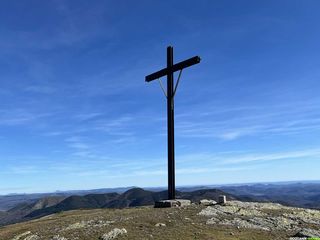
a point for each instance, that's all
(172, 203)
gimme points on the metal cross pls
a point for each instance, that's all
(171, 90)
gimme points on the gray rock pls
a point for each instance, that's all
(207, 202)
(20, 236)
(58, 237)
(160, 225)
(218, 210)
(305, 215)
(183, 202)
(256, 216)
(172, 203)
(32, 237)
(239, 223)
(88, 224)
(306, 233)
(213, 220)
(113, 234)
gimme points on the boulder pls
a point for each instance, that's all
(160, 225)
(308, 233)
(20, 236)
(58, 237)
(113, 234)
(207, 202)
(32, 237)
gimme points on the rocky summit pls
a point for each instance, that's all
(264, 216)
(232, 220)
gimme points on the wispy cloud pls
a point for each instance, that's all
(118, 126)
(236, 158)
(54, 133)
(274, 156)
(186, 171)
(14, 117)
(80, 148)
(24, 170)
(239, 122)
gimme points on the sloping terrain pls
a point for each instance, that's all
(235, 220)
(131, 198)
(264, 216)
(21, 210)
(9, 201)
(298, 194)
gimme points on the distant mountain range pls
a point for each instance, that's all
(11, 200)
(304, 194)
(131, 198)
(23, 207)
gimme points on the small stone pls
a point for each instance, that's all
(160, 225)
(308, 233)
(207, 202)
(172, 203)
(58, 237)
(76, 225)
(113, 234)
(21, 235)
(183, 202)
(32, 237)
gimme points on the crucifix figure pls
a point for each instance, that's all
(170, 93)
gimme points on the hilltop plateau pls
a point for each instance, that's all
(234, 220)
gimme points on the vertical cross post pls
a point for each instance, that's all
(169, 71)
(170, 115)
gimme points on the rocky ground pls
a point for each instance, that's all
(234, 220)
(265, 216)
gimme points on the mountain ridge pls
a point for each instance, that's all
(301, 194)
(131, 198)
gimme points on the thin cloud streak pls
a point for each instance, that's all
(241, 123)
(274, 156)
(187, 171)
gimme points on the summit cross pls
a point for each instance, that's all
(170, 93)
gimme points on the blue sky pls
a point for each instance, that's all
(75, 112)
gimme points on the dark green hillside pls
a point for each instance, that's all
(197, 195)
(89, 201)
(131, 198)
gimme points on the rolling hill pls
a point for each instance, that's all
(131, 198)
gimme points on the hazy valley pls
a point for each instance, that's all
(25, 207)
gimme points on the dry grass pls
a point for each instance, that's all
(181, 223)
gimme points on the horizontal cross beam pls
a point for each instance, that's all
(176, 67)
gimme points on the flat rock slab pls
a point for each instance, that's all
(207, 202)
(172, 203)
